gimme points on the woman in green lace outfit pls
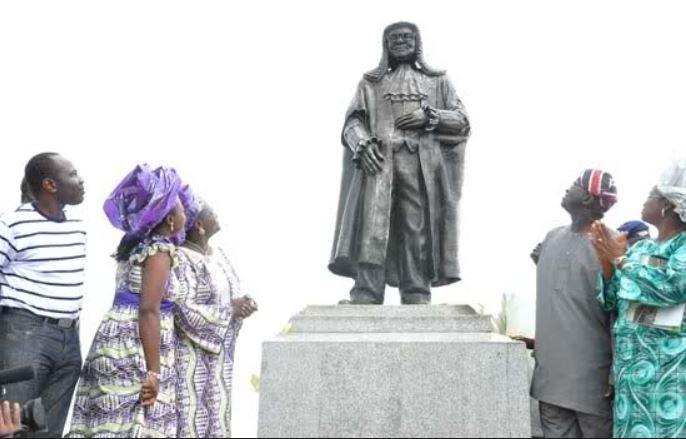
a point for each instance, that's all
(647, 288)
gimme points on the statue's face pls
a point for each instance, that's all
(402, 43)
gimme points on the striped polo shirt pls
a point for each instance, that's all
(42, 262)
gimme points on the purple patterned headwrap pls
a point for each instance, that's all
(143, 199)
(192, 206)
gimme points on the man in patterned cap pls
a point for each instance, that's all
(573, 347)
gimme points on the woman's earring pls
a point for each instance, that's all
(663, 211)
(171, 226)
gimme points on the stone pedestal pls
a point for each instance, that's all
(385, 371)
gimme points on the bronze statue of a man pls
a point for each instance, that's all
(404, 138)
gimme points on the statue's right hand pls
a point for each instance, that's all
(371, 159)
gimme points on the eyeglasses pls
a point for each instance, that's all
(406, 37)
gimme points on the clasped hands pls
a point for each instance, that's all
(608, 248)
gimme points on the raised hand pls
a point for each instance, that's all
(607, 247)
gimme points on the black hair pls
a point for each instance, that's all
(126, 246)
(26, 195)
(39, 168)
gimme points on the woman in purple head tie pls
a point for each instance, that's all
(127, 386)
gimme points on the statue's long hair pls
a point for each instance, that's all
(385, 65)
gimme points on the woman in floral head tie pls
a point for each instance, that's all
(127, 386)
(646, 285)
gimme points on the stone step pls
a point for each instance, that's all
(390, 319)
(390, 310)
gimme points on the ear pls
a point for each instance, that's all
(667, 206)
(200, 226)
(588, 200)
(49, 185)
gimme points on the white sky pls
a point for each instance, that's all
(247, 100)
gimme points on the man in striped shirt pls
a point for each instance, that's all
(42, 261)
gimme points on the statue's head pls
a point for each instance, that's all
(402, 44)
(400, 40)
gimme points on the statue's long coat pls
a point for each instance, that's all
(364, 209)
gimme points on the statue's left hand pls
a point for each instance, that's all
(412, 121)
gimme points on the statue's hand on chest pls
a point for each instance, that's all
(413, 121)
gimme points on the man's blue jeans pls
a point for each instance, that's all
(29, 340)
